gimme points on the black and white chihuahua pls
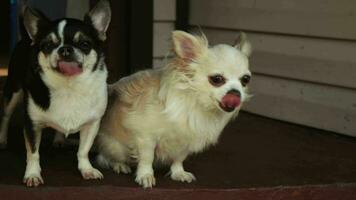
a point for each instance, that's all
(60, 74)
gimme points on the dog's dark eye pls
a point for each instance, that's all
(47, 47)
(84, 45)
(217, 80)
(245, 80)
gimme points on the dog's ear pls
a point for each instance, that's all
(242, 44)
(99, 17)
(33, 21)
(187, 46)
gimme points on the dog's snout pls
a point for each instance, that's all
(235, 92)
(66, 51)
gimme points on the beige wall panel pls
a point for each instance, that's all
(159, 62)
(335, 73)
(299, 46)
(162, 38)
(315, 60)
(321, 18)
(314, 105)
(164, 10)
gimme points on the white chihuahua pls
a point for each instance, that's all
(168, 113)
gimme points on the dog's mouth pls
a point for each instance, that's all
(69, 68)
(230, 101)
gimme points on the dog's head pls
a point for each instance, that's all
(219, 75)
(68, 47)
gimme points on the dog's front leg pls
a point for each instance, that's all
(177, 170)
(144, 175)
(32, 135)
(87, 136)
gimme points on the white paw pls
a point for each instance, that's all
(121, 168)
(33, 180)
(146, 181)
(91, 173)
(183, 176)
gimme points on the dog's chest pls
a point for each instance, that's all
(179, 137)
(71, 108)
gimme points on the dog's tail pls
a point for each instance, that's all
(102, 161)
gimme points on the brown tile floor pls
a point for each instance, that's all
(254, 152)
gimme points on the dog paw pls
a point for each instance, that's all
(91, 174)
(33, 180)
(146, 180)
(121, 168)
(183, 176)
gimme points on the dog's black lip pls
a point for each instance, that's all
(226, 109)
(235, 92)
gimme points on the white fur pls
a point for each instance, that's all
(33, 171)
(100, 16)
(166, 114)
(74, 102)
(32, 177)
(77, 103)
(61, 26)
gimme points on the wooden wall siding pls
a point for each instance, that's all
(164, 18)
(162, 38)
(304, 72)
(320, 18)
(314, 105)
(316, 60)
(164, 10)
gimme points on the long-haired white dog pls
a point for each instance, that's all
(168, 113)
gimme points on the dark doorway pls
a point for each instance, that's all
(130, 35)
(4, 33)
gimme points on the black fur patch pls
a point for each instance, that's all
(25, 71)
(88, 35)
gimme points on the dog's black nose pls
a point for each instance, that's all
(66, 51)
(235, 92)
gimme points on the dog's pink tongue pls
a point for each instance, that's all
(231, 101)
(69, 68)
